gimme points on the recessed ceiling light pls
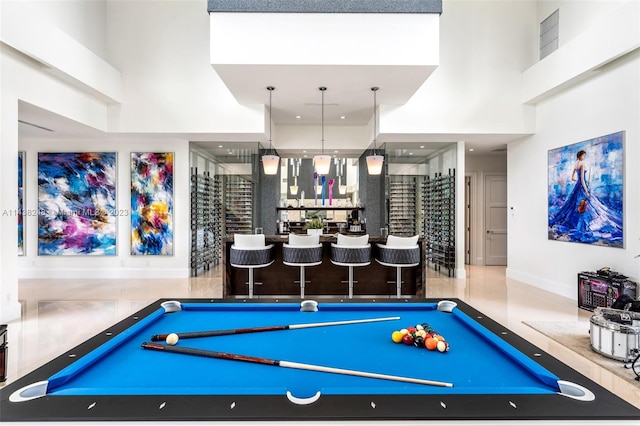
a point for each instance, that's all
(336, 151)
(411, 153)
(304, 150)
(219, 146)
(298, 117)
(471, 149)
(421, 146)
(342, 117)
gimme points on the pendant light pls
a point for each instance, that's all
(342, 189)
(374, 161)
(270, 161)
(294, 188)
(294, 172)
(322, 162)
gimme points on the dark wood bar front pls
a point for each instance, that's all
(325, 279)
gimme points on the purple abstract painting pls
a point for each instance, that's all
(77, 203)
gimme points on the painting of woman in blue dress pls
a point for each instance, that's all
(586, 192)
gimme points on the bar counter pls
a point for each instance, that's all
(325, 279)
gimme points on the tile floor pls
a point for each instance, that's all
(59, 314)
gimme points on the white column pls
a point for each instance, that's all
(461, 272)
(9, 306)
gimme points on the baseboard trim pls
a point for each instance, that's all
(104, 273)
(555, 287)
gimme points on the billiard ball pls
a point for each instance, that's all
(407, 339)
(172, 339)
(430, 343)
(442, 346)
(397, 336)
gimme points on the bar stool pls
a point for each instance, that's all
(250, 252)
(351, 251)
(302, 251)
(399, 252)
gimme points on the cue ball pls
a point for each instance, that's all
(172, 339)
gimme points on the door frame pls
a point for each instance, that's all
(470, 222)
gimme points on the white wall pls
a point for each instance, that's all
(485, 46)
(575, 109)
(84, 21)
(162, 50)
(606, 103)
(123, 264)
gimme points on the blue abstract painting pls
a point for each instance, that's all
(152, 203)
(77, 203)
(586, 191)
(20, 204)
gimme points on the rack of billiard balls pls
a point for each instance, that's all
(421, 336)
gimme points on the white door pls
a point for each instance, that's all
(495, 247)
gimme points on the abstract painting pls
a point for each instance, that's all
(77, 203)
(20, 203)
(151, 203)
(586, 191)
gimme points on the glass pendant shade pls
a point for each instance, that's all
(270, 164)
(293, 189)
(322, 163)
(374, 164)
(342, 189)
(374, 161)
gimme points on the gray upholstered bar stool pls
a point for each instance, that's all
(351, 251)
(250, 252)
(302, 251)
(399, 252)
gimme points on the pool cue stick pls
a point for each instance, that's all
(212, 333)
(288, 364)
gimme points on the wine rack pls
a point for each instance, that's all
(402, 207)
(218, 223)
(238, 205)
(439, 220)
(206, 243)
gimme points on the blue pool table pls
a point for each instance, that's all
(488, 371)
